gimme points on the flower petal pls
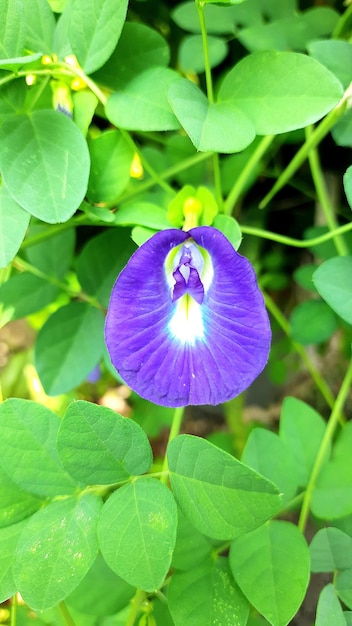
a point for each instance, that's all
(189, 350)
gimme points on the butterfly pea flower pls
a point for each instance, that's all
(186, 322)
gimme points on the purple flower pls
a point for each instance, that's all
(186, 322)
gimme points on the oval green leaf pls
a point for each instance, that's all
(271, 566)
(137, 532)
(98, 446)
(97, 267)
(207, 596)
(302, 430)
(111, 158)
(28, 448)
(330, 550)
(333, 282)
(56, 549)
(139, 107)
(15, 504)
(8, 542)
(329, 610)
(13, 225)
(220, 496)
(69, 346)
(266, 453)
(45, 164)
(280, 91)
(94, 30)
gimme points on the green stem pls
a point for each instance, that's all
(24, 266)
(203, 30)
(284, 324)
(340, 26)
(316, 137)
(332, 424)
(174, 431)
(323, 196)
(63, 610)
(290, 241)
(136, 602)
(210, 94)
(246, 172)
(14, 604)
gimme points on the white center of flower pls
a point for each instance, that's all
(186, 324)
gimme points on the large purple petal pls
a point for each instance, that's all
(146, 331)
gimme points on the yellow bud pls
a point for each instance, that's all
(136, 169)
(192, 209)
(77, 84)
(31, 79)
(46, 59)
(4, 615)
(71, 59)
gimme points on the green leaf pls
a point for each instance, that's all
(16, 63)
(12, 28)
(140, 234)
(347, 183)
(15, 504)
(218, 20)
(330, 550)
(332, 496)
(280, 91)
(101, 592)
(343, 586)
(98, 446)
(312, 321)
(13, 225)
(335, 54)
(303, 276)
(56, 549)
(94, 30)
(342, 131)
(138, 107)
(24, 294)
(302, 430)
(28, 448)
(8, 541)
(271, 566)
(266, 453)
(111, 158)
(137, 532)
(230, 228)
(54, 259)
(45, 163)
(40, 25)
(191, 55)
(207, 596)
(12, 98)
(140, 48)
(69, 346)
(142, 214)
(97, 268)
(84, 105)
(219, 495)
(218, 127)
(333, 282)
(293, 32)
(192, 547)
(329, 609)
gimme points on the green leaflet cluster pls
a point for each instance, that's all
(79, 503)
